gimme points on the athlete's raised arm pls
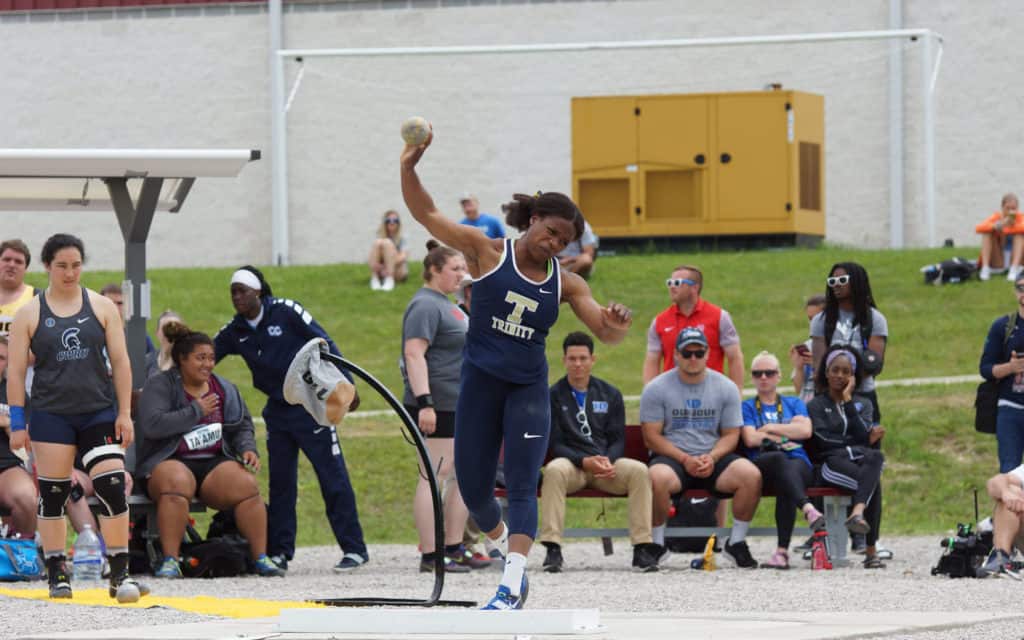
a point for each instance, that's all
(481, 253)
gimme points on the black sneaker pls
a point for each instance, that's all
(57, 575)
(645, 558)
(998, 565)
(858, 543)
(450, 566)
(123, 587)
(804, 546)
(553, 558)
(280, 561)
(739, 553)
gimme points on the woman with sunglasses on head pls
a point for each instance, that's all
(503, 394)
(387, 254)
(774, 430)
(851, 318)
(1002, 360)
(844, 443)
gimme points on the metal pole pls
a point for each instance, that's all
(611, 45)
(278, 141)
(895, 128)
(929, 138)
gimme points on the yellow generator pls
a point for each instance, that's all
(747, 164)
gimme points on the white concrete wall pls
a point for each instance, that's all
(198, 78)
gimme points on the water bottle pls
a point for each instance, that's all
(88, 559)
(820, 559)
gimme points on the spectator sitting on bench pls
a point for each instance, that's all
(196, 437)
(774, 428)
(17, 488)
(691, 422)
(588, 441)
(1007, 489)
(1002, 242)
(844, 432)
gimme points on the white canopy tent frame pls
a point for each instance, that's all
(134, 180)
(929, 74)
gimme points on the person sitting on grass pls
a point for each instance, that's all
(1007, 489)
(196, 437)
(844, 435)
(1002, 240)
(388, 257)
(774, 428)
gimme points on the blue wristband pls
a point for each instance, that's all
(17, 419)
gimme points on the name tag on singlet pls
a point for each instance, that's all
(203, 436)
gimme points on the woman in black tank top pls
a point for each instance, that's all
(73, 333)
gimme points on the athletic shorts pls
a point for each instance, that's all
(74, 428)
(199, 467)
(445, 422)
(693, 482)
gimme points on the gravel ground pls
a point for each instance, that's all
(905, 585)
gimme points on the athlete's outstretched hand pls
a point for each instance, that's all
(617, 316)
(412, 153)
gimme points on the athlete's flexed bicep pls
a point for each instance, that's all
(608, 323)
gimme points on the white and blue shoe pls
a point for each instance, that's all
(503, 600)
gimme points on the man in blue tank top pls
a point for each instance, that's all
(503, 399)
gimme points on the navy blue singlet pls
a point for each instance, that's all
(510, 320)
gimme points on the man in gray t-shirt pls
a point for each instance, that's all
(691, 421)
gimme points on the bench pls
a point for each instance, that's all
(140, 505)
(835, 501)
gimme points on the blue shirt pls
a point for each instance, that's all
(510, 320)
(769, 414)
(269, 348)
(490, 225)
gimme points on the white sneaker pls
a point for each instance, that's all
(375, 283)
(1012, 274)
(389, 284)
(984, 274)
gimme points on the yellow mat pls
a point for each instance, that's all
(206, 605)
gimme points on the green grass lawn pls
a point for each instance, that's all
(934, 456)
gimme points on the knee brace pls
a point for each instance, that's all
(97, 444)
(53, 495)
(109, 488)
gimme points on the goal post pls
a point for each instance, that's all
(928, 41)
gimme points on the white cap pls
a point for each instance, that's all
(466, 195)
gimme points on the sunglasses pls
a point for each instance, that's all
(699, 353)
(838, 281)
(678, 282)
(391, 220)
(765, 373)
(1019, 288)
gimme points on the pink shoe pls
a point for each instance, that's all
(779, 560)
(815, 519)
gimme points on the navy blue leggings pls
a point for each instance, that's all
(492, 412)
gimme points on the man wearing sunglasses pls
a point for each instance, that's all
(588, 442)
(691, 422)
(688, 309)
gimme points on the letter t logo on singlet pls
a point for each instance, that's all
(522, 303)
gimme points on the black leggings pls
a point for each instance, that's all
(787, 478)
(862, 476)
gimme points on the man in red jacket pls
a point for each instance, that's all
(689, 310)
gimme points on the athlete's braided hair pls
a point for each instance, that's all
(863, 301)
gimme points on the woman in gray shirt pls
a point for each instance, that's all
(433, 335)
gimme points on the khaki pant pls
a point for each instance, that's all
(562, 477)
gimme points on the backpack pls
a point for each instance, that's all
(963, 553)
(691, 512)
(954, 270)
(222, 557)
(986, 398)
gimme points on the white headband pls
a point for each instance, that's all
(246, 277)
